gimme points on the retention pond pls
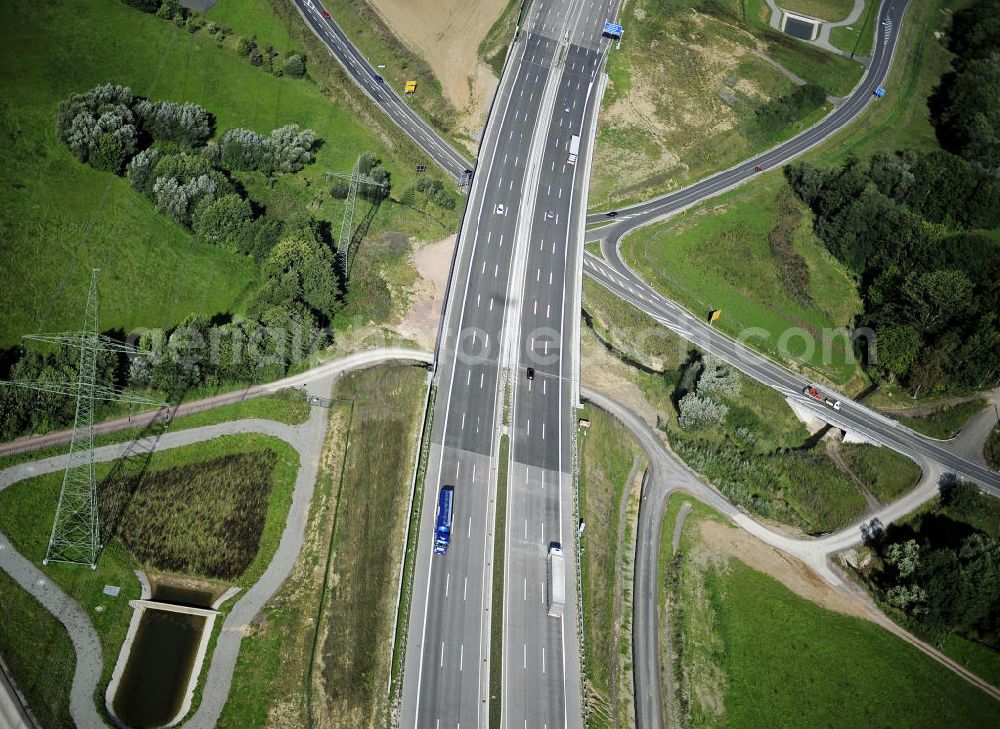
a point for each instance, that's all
(154, 684)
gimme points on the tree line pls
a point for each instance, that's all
(965, 107)
(906, 225)
(941, 571)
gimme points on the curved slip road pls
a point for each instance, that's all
(635, 216)
(307, 439)
(667, 475)
(365, 76)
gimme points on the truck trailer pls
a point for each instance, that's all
(574, 149)
(445, 517)
(556, 582)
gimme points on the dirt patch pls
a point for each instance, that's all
(447, 33)
(601, 371)
(432, 263)
(789, 571)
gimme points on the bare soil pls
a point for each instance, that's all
(789, 571)
(447, 33)
(432, 262)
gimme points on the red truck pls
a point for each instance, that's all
(811, 391)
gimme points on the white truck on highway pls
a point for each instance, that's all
(556, 582)
(574, 149)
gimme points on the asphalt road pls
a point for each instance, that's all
(853, 417)
(507, 308)
(387, 98)
(634, 216)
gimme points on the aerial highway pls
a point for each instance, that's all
(512, 304)
(851, 417)
(887, 37)
(387, 98)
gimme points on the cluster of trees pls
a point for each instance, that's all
(164, 150)
(23, 410)
(290, 64)
(705, 378)
(287, 149)
(903, 223)
(773, 116)
(943, 573)
(966, 106)
(106, 125)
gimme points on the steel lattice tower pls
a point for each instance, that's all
(75, 536)
(356, 178)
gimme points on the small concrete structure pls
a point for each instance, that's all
(146, 603)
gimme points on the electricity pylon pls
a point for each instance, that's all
(76, 535)
(356, 178)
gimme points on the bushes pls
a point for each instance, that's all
(705, 378)
(99, 127)
(792, 266)
(435, 192)
(188, 124)
(775, 115)
(288, 149)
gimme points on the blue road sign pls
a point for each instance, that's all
(615, 31)
(880, 91)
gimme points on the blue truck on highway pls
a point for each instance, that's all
(445, 516)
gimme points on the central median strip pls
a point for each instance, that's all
(499, 542)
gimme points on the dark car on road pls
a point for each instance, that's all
(531, 373)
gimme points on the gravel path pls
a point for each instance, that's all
(307, 439)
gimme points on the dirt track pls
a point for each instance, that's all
(448, 33)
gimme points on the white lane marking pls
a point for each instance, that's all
(465, 588)
(538, 275)
(545, 386)
(529, 427)
(473, 478)
(477, 300)
(458, 468)
(526, 667)
(447, 582)
(461, 656)
(491, 303)
(525, 530)
(534, 310)
(548, 308)
(442, 654)
(482, 379)
(468, 379)
(463, 421)
(543, 431)
(525, 589)
(484, 269)
(496, 270)
(550, 278)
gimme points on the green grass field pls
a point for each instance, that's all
(887, 474)
(607, 454)
(717, 256)
(859, 37)
(346, 577)
(822, 9)
(59, 217)
(900, 119)
(759, 655)
(290, 408)
(946, 422)
(26, 511)
(37, 650)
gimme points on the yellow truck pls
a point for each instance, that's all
(411, 86)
